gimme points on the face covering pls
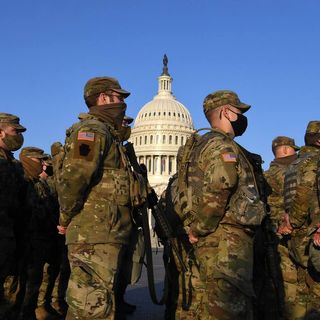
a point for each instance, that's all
(124, 133)
(239, 126)
(112, 113)
(49, 171)
(13, 143)
(30, 167)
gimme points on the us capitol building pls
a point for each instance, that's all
(161, 127)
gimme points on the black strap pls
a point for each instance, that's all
(151, 285)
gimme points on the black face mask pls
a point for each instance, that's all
(49, 171)
(239, 126)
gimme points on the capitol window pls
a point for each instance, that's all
(155, 164)
(176, 141)
(170, 139)
(140, 141)
(145, 139)
(151, 139)
(182, 141)
(163, 139)
(171, 159)
(163, 164)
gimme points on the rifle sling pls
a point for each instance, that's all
(150, 273)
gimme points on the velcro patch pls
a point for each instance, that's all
(86, 136)
(229, 157)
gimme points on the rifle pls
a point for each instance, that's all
(165, 232)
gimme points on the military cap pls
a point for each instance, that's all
(128, 119)
(12, 121)
(33, 152)
(313, 127)
(103, 84)
(222, 98)
(283, 141)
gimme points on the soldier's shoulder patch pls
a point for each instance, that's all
(85, 136)
(228, 157)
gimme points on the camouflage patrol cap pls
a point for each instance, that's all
(12, 121)
(222, 98)
(283, 141)
(313, 127)
(34, 152)
(103, 84)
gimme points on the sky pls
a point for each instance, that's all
(266, 51)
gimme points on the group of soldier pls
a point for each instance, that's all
(239, 243)
(33, 256)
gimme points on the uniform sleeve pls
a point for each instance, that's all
(305, 200)
(219, 164)
(84, 153)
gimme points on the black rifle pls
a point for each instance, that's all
(165, 231)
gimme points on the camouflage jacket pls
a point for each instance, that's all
(304, 206)
(93, 187)
(11, 193)
(302, 201)
(275, 178)
(43, 211)
(225, 187)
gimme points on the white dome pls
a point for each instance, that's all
(161, 127)
(164, 108)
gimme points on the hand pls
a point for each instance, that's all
(62, 230)
(192, 238)
(316, 238)
(285, 226)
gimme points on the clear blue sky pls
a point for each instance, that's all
(266, 51)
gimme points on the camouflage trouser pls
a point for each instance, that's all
(191, 286)
(307, 300)
(290, 282)
(226, 262)
(90, 292)
(186, 290)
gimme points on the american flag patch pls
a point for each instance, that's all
(229, 157)
(86, 136)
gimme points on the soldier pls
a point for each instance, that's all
(11, 181)
(226, 208)
(284, 150)
(301, 200)
(95, 200)
(41, 237)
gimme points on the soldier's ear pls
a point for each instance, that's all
(2, 133)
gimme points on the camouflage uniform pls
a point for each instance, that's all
(302, 204)
(94, 195)
(226, 209)
(11, 195)
(275, 178)
(40, 234)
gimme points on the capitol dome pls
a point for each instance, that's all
(161, 127)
